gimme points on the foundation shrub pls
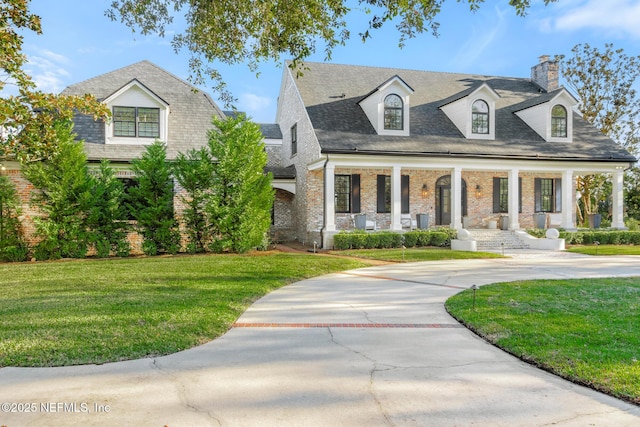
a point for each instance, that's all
(410, 239)
(439, 238)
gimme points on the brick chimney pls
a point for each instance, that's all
(545, 74)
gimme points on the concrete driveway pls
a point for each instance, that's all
(372, 347)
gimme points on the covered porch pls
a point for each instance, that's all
(394, 192)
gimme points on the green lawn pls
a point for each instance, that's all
(584, 330)
(414, 254)
(606, 249)
(97, 311)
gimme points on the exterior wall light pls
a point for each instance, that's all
(425, 191)
(478, 191)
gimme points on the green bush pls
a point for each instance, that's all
(123, 248)
(439, 238)
(359, 239)
(410, 239)
(605, 237)
(103, 248)
(342, 241)
(17, 253)
(424, 238)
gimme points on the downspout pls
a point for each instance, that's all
(324, 202)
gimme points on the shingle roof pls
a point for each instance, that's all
(279, 172)
(271, 131)
(341, 126)
(191, 111)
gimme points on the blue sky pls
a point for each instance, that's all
(79, 42)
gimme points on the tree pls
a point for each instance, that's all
(12, 244)
(107, 218)
(63, 197)
(28, 118)
(194, 172)
(233, 32)
(603, 81)
(151, 201)
(239, 207)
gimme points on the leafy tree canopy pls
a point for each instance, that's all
(604, 82)
(27, 119)
(241, 31)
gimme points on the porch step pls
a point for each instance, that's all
(496, 240)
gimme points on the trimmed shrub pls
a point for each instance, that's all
(439, 238)
(342, 241)
(410, 239)
(424, 238)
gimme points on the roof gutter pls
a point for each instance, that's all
(479, 156)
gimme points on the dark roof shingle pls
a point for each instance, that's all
(342, 126)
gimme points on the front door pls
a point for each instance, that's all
(443, 200)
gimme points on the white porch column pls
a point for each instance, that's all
(396, 194)
(456, 198)
(568, 201)
(617, 216)
(329, 194)
(513, 200)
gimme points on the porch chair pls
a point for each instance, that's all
(369, 224)
(554, 220)
(407, 222)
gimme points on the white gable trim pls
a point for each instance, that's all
(538, 117)
(136, 94)
(373, 105)
(460, 113)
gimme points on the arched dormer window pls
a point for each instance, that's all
(480, 117)
(559, 122)
(393, 113)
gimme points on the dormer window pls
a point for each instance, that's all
(473, 111)
(393, 113)
(480, 117)
(135, 122)
(559, 122)
(549, 115)
(139, 116)
(387, 107)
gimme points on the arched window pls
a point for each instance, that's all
(559, 121)
(393, 113)
(480, 117)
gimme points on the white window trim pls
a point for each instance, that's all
(373, 106)
(151, 100)
(460, 112)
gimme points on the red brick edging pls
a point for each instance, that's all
(348, 325)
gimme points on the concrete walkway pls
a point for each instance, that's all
(372, 347)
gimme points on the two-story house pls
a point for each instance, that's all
(466, 150)
(378, 148)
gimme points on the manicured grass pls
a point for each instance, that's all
(414, 254)
(97, 311)
(606, 249)
(583, 330)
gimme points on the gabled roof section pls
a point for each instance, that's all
(468, 92)
(270, 130)
(135, 83)
(387, 83)
(341, 125)
(544, 98)
(191, 110)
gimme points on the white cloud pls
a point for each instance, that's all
(618, 17)
(255, 106)
(482, 37)
(48, 70)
